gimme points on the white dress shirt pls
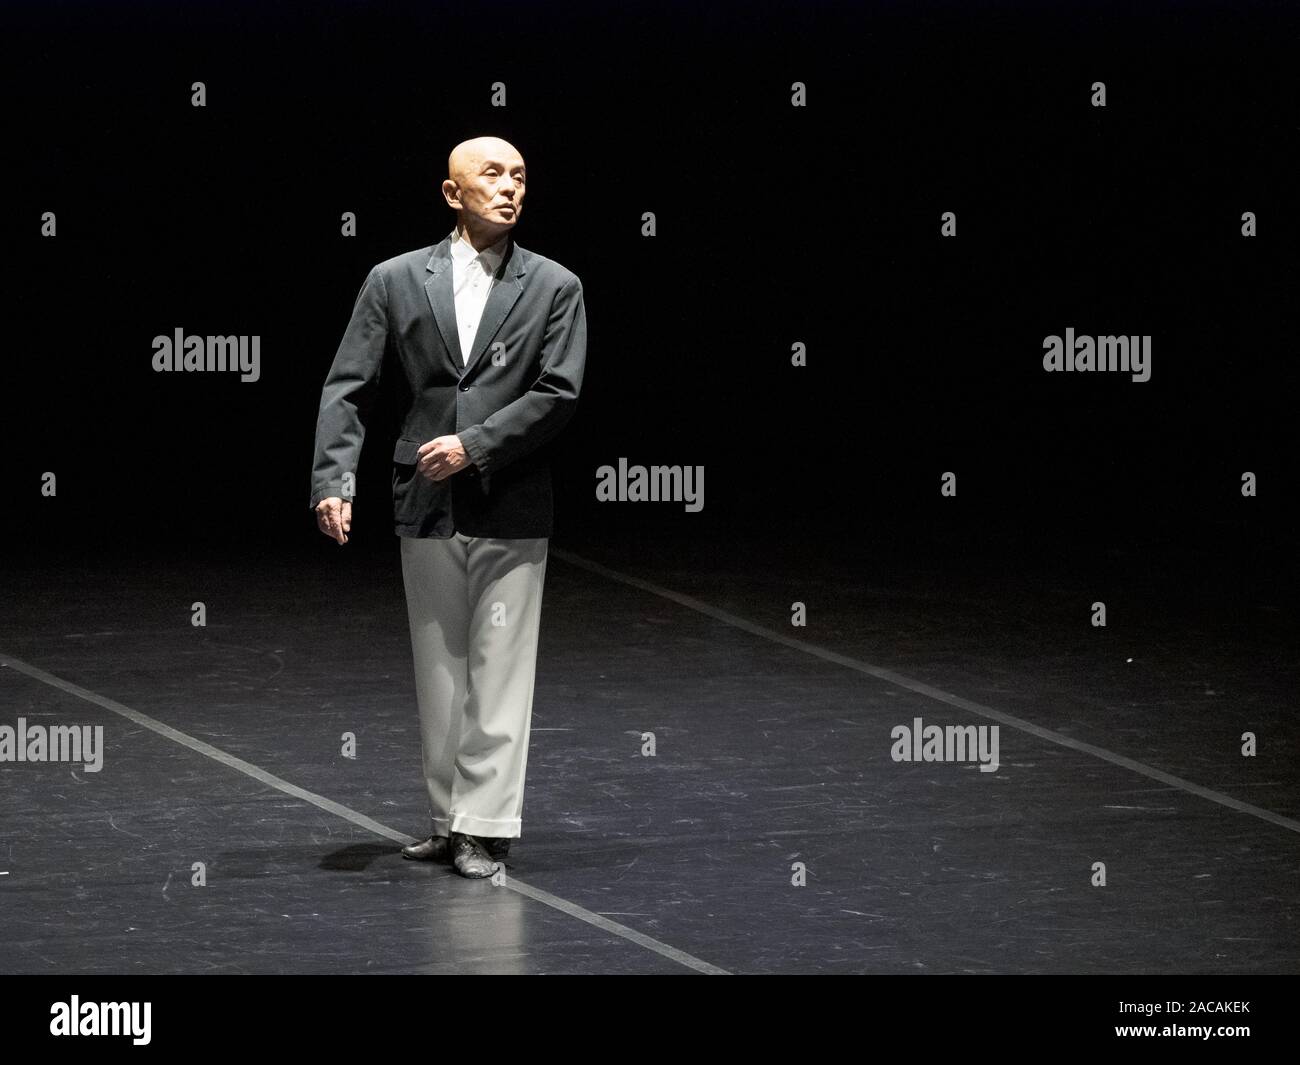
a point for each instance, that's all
(471, 281)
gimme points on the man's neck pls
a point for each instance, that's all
(480, 241)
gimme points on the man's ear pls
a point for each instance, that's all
(451, 193)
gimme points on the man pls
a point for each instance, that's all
(487, 342)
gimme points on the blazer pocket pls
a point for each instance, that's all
(407, 452)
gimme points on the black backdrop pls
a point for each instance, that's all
(776, 224)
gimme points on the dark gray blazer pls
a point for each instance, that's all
(517, 391)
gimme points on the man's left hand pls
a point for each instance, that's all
(441, 457)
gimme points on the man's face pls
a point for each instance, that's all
(491, 186)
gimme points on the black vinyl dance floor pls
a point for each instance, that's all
(772, 756)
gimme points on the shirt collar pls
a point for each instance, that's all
(491, 256)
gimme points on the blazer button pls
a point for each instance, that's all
(464, 388)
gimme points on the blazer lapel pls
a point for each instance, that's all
(507, 287)
(437, 287)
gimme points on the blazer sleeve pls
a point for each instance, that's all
(529, 421)
(349, 392)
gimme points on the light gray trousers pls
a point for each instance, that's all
(474, 606)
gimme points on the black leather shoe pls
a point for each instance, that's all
(470, 857)
(498, 847)
(433, 849)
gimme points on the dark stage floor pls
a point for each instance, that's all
(222, 746)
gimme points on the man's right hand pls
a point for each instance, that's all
(334, 517)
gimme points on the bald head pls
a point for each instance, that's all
(468, 155)
(485, 187)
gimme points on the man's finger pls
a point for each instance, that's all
(332, 516)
